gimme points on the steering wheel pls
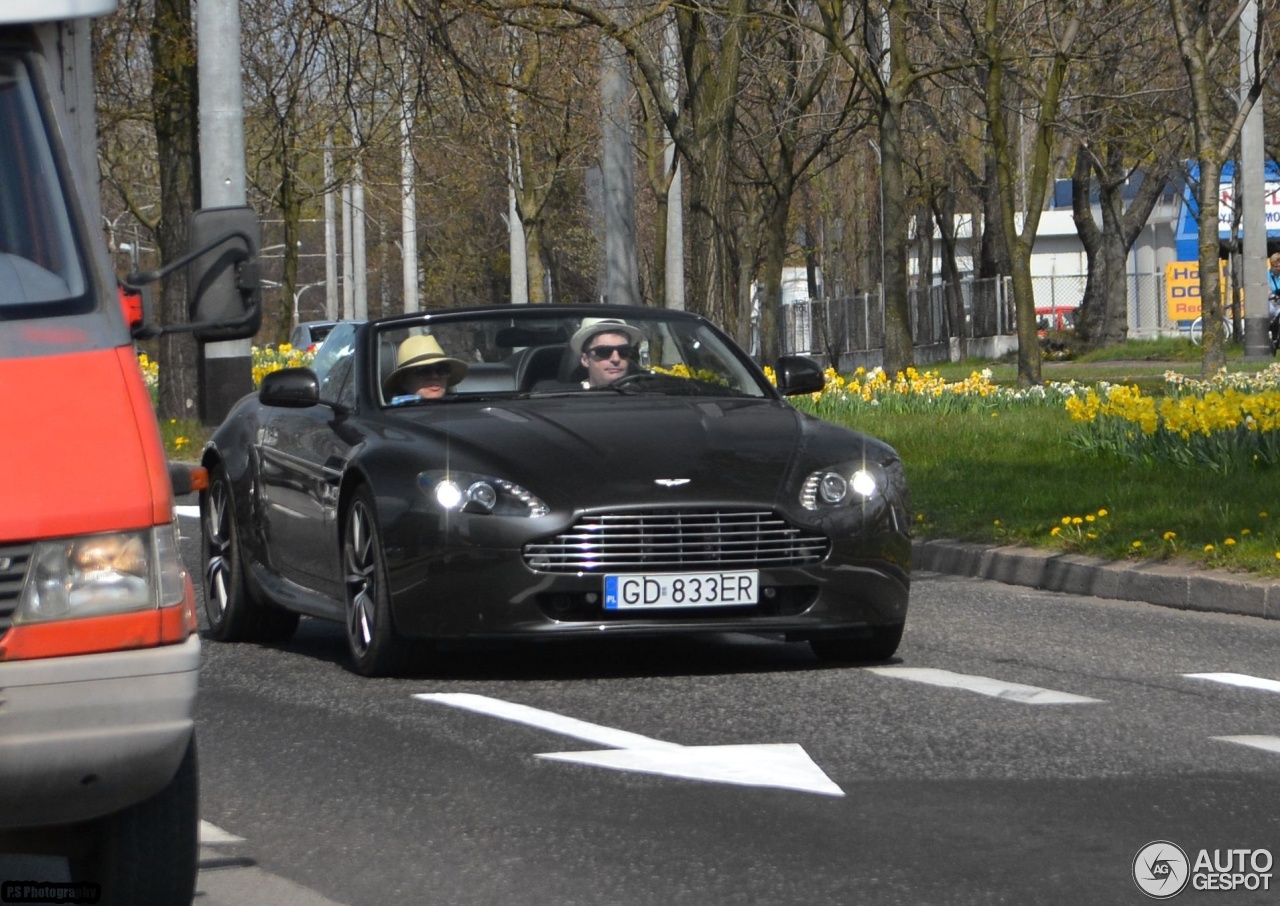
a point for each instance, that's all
(627, 379)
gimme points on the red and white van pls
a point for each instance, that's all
(98, 644)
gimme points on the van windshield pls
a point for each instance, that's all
(40, 270)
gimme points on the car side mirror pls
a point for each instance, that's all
(797, 374)
(290, 388)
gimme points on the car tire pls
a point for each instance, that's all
(148, 853)
(881, 645)
(236, 613)
(376, 648)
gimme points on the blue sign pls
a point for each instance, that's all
(1188, 233)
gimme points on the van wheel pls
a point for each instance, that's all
(149, 852)
(236, 613)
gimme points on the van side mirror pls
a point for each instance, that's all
(223, 290)
(224, 296)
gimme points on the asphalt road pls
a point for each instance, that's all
(1049, 740)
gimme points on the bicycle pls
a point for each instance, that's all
(1196, 331)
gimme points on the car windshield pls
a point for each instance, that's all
(40, 271)
(337, 345)
(534, 353)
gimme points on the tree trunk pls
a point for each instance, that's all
(1214, 341)
(899, 351)
(537, 270)
(174, 103)
(773, 254)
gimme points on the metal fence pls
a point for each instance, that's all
(849, 331)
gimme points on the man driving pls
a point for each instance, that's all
(607, 347)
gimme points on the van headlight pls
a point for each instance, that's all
(97, 575)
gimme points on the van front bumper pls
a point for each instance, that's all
(88, 735)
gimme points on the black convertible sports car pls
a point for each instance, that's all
(525, 472)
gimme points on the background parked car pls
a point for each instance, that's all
(310, 333)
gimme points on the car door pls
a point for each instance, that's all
(302, 460)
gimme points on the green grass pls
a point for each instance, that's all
(183, 438)
(1012, 477)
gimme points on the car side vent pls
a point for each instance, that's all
(13, 570)
(672, 539)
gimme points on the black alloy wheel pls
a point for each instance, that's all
(234, 611)
(376, 648)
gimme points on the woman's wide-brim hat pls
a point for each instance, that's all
(418, 352)
(592, 326)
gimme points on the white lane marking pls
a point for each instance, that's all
(191, 512)
(1267, 743)
(1017, 692)
(212, 835)
(1238, 679)
(781, 766)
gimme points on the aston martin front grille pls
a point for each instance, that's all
(13, 570)
(676, 539)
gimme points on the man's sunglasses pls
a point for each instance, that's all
(604, 353)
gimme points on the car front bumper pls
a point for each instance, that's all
(85, 736)
(471, 593)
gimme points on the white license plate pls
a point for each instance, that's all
(637, 591)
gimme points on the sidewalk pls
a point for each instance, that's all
(1215, 591)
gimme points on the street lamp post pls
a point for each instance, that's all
(297, 297)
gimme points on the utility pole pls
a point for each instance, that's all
(622, 277)
(226, 367)
(408, 209)
(1257, 343)
(673, 265)
(331, 308)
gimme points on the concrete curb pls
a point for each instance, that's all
(1214, 591)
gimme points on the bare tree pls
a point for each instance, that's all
(1131, 126)
(793, 113)
(1016, 54)
(1207, 44)
(147, 139)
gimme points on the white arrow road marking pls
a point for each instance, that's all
(1268, 743)
(1238, 679)
(782, 766)
(191, 512)
(212, 835)
(1017, 692)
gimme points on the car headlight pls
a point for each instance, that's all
(843, 486)
(96, 575)
(469, 492)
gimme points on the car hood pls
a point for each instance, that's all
(608, 449)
